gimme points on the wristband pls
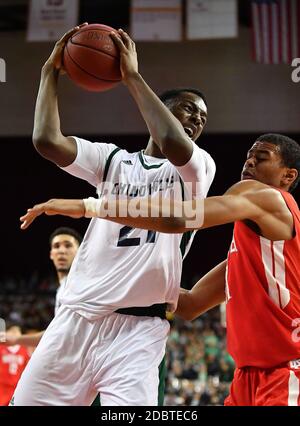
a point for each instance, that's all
(92, 207)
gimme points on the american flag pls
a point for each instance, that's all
(275, 31)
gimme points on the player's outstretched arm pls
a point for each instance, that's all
(47, 136)
(207, 293)
(157, 214)
(245, 200)
(166, 131)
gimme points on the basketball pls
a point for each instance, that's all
(91, 59)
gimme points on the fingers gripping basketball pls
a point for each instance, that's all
(91, 58)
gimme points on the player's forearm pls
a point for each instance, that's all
(168, 216)
(207, 293)
(157, 214)
(146, 213)
(30, 339)
(46, 119)
(162, 124)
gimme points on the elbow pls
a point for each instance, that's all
(167, 141)
(44, 145)
(39, 142)
(175, 225)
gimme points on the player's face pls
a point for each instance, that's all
(191, 111)
(264, 163)
(63, 250)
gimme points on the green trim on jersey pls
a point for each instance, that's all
(146, 166)
(184, 241)
(182, 188)
(187, 235)
(96, 402)
(162, 371)
(108, 161)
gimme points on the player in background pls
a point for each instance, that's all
(111, 330)
(13, 360)
(64, 243)
(260, 278)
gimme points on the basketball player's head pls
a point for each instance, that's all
(274, 160)
(189, 106)
(64, 243)
(13, 329)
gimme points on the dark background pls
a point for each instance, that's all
(27, 178)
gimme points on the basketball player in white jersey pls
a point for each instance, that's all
(109, 335)
(64, 243)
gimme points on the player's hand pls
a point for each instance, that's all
(56, 57)
(71, 208)
(128, 55)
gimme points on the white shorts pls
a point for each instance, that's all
(117, 356)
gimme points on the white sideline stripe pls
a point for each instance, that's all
(273, 260)
(294, 386)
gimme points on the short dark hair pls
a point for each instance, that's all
(67, 231)
(289, 151)
(10, 323)
(174, 93)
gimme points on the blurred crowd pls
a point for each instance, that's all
(199, 369)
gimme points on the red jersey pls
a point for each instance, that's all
(263, 296)
(13, 360)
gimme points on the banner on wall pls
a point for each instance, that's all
(210, 19)
(50, 19)
(156, 20)
(275, 31)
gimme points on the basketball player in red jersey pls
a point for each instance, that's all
(13, 360)
(260, 278)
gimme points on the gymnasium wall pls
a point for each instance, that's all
(243, 96)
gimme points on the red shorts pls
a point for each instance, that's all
(271, 386)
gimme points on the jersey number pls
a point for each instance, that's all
(126, 242)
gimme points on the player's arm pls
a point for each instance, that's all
(47, 136)
(154, 213)
(166, 131)
(207, 293)
(245, 200)
(24, 339)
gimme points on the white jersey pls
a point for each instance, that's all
(120, 267)
(59, 292)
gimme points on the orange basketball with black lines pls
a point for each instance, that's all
(91, 59)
